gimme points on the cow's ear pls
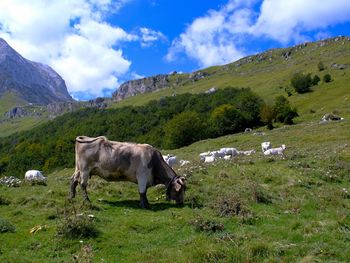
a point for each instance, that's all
(177, 186)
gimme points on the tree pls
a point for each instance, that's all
(267, 115)
(327, 78)
(184, 129)
(301, 82)
(226, 119)
(284, 112)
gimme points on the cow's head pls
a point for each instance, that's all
(176, 190)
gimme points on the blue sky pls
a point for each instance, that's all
(96, 45)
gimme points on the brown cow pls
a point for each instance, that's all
(122, 161)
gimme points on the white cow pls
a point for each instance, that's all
(229, 151)
(209, 159)
(172, 160)
(265, 146)
(34, 175)
(276, 151)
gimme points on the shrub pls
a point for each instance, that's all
(231, 205)
(327, 78)
(315, 80)
(320, 66)
(77, 226)
(301, 82)
(6, 226)
(4, 201)
(209, 226)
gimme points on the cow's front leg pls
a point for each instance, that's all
(142, 184)
(84, 183)
(143, 201)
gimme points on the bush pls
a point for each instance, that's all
(4, 201)
(74, 225)
(327, 78)
(284, 112)
(315, 80)
(6, 226)
(320, 66)
(301, 82)
(209, 226)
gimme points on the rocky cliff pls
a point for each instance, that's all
(33, 82)
(134, 87)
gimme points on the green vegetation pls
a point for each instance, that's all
(169, 123)
(327, 78)
(251, 209)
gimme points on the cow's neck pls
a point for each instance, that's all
(167, 177)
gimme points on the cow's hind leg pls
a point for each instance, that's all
(74, 183)
(84, 183)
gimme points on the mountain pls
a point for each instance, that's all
(31, 82)
(264, 72)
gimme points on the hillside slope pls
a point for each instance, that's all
(269, 74)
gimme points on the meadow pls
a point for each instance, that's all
(248, 209)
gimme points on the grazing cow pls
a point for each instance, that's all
(276, 151)
(265, 146)
(229, 151)
(121, 161)
(34, 175)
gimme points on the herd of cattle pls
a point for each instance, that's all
(226, 154)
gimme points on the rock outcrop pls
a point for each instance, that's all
(134, 87)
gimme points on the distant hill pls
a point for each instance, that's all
(268, 74)
(29, 81)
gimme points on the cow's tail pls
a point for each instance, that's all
(85, 139)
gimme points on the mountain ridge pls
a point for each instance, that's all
(33, 82)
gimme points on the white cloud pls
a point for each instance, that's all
(287, 21)
(149, 36)
(70, 36)
(220, 36)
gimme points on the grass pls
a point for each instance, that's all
(251, 209)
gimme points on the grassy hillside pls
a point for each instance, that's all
(251, 209)
(269, 74)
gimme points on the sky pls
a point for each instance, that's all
(96, 45)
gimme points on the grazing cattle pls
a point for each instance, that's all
(172, 160)
(34, 175)
(330, 117)
(120, 161)
(265, 146)
(229, 151)
(209, 159)
(248, 152)
(184, 162)
(276, 151)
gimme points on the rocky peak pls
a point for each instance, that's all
(32, 81)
